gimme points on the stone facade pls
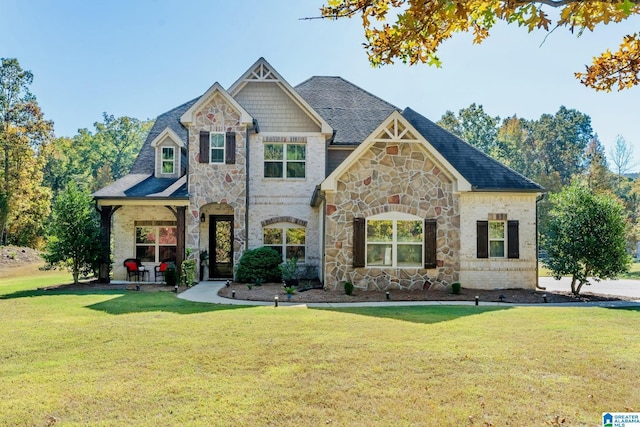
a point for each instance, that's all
(392, 177)
(216, 183)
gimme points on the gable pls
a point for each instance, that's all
(387, 141)
(216, 95)
(274, 103)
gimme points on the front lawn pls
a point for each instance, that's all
(135, 358)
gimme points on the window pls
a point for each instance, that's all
(156, 243)
(284, 160)
(290, 242)
(395, 241)
(168, 160)
(496, 239)
(216, 146)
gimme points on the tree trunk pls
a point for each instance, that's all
(573, 284)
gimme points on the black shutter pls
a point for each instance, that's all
(430, 226)
(483, 239)
(359, 230)
(230, 148)
(513, 239)
(204, 146)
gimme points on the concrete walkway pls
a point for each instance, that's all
(208, 292)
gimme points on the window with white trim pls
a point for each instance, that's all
(395, 240)
(216, 147)
(168, 161)
(156, 240)
(285, 160)
(290, 242)
(496, 239)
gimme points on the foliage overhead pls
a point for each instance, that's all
(420, 27)
(586, 237)
(74, 239)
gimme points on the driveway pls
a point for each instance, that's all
(622, 287)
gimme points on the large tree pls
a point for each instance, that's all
(110, 151)
(421, 26)
(23, 132)
(74, 239)
(586, 237)
(473, 125)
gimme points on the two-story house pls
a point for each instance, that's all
(328, 173)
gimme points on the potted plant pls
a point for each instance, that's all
(290, 290)
(289, 270)
(171, 276)
(204, 265)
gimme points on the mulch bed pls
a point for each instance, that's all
(268, 291)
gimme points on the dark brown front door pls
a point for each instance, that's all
(221, 246)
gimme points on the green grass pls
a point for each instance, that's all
(148, 359)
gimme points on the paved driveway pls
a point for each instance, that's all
(622, 287)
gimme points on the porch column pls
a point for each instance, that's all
(181, 230)
(105, 241)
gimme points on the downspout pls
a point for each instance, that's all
(538, 200)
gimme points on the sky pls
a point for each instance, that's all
(140, 58)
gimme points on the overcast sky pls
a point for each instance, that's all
(141, 58)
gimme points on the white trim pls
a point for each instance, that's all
(188, 117)
(392, 255)
(167, 133)
(267, 70)
(460, 183)
(224, 148)
(172, 160)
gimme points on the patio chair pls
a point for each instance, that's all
(135, 269)
(162, 268)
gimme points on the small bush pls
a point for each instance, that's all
(348, 288)
(259, 264)
(171, 275)
(456, 288)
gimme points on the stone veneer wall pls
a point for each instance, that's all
(498, 273)
(216, 183)
(392, 177)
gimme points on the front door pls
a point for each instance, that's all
(221, 246)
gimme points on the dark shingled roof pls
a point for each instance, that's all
(171, 119)
(482, 171)
(351, 111)
(144, 185)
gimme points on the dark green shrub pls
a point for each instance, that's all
(456, 288)
(259, 264)
(348, 288)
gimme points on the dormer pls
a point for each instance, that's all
(168, 154)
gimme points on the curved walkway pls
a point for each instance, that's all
(208, 292)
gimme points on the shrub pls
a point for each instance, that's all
(348, 288)
(259, 264)
(171, 275)
(456, 288)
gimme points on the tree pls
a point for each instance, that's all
(560, 141)
(110, 152)
(586, 237)
(622, 157)
(421, 26)
(74, 239)
(23, 133)
(598, 178)
(474, 126)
